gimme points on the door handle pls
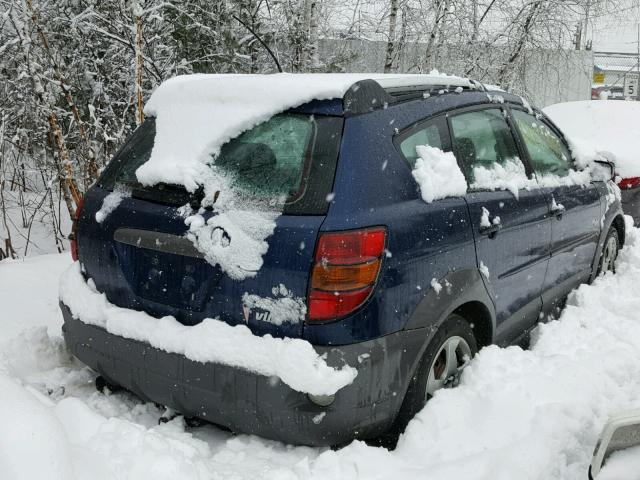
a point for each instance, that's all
(492, 230)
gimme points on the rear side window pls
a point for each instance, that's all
(291, 156)
(428, 134)
(482, 138)
(547, 152)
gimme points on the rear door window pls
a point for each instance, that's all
(482, 138)
(547, 152)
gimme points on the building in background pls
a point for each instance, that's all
(619, 72)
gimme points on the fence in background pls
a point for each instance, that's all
(544, 76)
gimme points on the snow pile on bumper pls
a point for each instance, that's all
(294, 361)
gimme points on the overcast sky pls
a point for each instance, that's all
(616, 32)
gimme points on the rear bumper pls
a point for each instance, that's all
(631, 203)
(249, 403)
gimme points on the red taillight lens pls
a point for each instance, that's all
(347, 248)
(73, 237)
(329, 305)
(627, 183)
(346, 269)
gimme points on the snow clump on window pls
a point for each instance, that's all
(438, 174)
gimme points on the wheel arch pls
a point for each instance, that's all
(619, 225)
(616, 222)
(479, 317)
(462, 292)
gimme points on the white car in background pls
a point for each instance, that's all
(613, 128)
(617, 452)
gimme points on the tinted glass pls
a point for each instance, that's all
(482, 138)
(269, 160)
(547, 153)
(426, 135)
(290, 157)
(136, 151)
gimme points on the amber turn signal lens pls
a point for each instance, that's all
(344, 277)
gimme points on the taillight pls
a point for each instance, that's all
(73, 236)
(346, 269)
(627, 183)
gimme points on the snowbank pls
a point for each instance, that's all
(294, 361)
(517, 414)
(532, 414)
(607, 126)
(623, 465)
(28, 288)
(32, 441)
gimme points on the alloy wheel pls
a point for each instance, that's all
(609, 255)
(452, 357)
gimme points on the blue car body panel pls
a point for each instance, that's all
(373, 186)
(158, 282)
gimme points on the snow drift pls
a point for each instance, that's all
(517, 414)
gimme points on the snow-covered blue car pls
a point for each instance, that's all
(334, 260)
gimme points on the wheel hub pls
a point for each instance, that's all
(445, 371)
(609, 255)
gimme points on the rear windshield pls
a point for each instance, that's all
(291, 156)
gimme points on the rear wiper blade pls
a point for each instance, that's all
(196, 198)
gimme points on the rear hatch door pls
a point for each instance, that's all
(139, 253)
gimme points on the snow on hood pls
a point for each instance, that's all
(294, 361)
(197, 114)
(609, 127)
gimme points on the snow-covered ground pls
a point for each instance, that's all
(517, 414)
(30, 224)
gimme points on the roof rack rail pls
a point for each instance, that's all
(371, 94)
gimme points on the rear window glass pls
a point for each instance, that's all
(270, 159)
(290, 157)
(429, 135)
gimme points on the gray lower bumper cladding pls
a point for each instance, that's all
(250, 403)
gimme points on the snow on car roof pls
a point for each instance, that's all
(197, 114)
(609, 126)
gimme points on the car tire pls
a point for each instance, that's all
(420, 390)
(609, 253)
